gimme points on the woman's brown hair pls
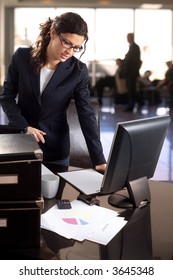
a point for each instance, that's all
(65, 23)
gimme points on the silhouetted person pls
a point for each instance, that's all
(132, 64)
(147, 89)
(168, 82)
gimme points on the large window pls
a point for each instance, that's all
(153, 32)
(111, 28)
(27, 30)
(107, 35)
(27, 22)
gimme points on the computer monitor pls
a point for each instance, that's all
(132, 160)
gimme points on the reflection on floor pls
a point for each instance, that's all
(109, 120)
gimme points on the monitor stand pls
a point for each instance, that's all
(136, 194)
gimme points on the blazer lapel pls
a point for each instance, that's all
(35, 83)
(58, 76)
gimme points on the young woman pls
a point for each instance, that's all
(40, 83)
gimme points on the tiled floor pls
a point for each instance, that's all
(108, 123)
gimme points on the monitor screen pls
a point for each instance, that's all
(132, 160)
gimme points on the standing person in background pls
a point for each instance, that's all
(131, 66)
(40, 83)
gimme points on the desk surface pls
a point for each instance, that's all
(147, 235)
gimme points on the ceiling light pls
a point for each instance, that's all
(151, 6)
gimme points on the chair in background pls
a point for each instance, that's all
(79, 154)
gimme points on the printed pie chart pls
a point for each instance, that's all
(77, 217)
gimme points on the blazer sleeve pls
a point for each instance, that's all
(10, 91)
(87, 119)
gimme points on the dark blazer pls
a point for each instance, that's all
(24, 106)
(132, 61)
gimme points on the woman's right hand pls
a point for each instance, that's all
(37, 133)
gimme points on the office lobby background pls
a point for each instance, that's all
(108, 21)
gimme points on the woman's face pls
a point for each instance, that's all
(63, 46)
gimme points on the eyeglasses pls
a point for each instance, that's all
(68, 45)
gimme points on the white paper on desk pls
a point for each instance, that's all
(77, 222)
(104, 233)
